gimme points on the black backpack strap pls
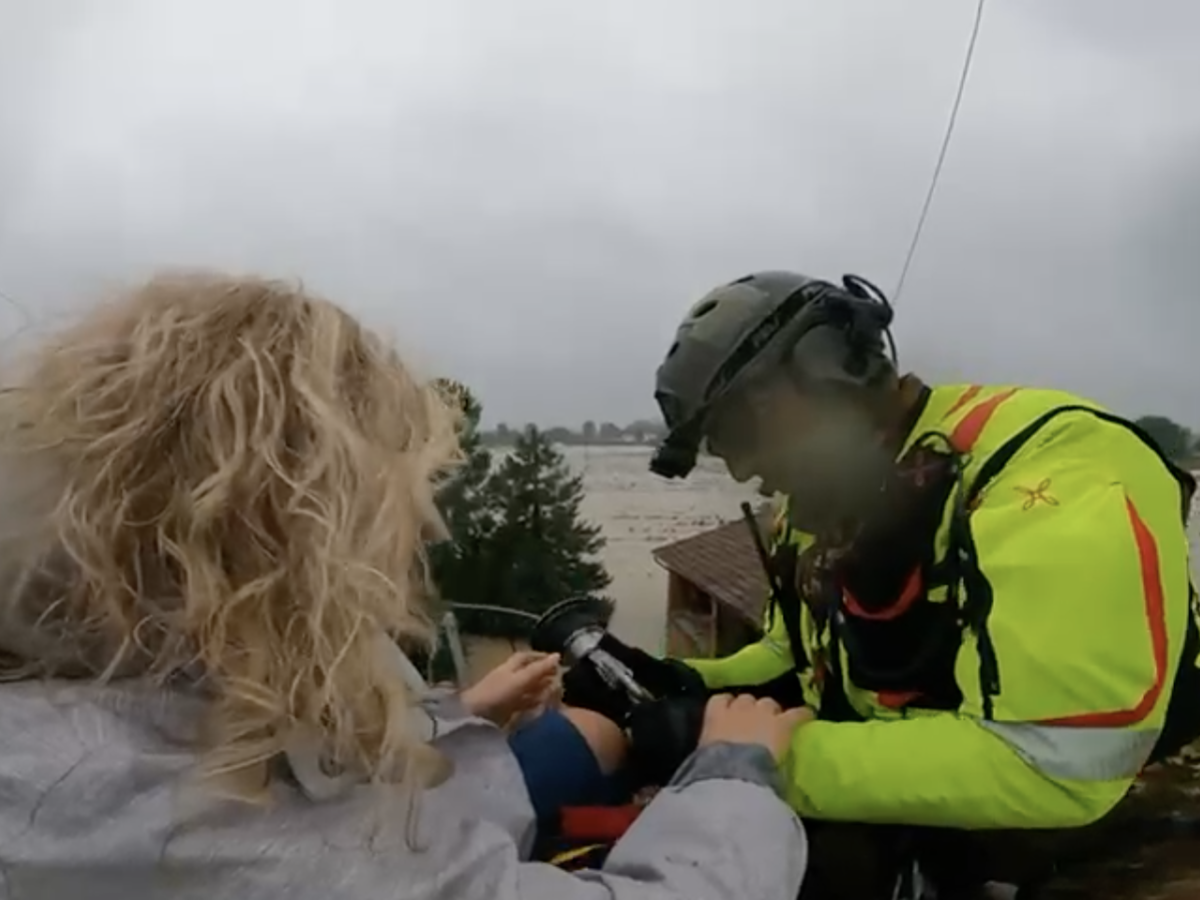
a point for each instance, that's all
(786, 600)
(787, 603)
(779, 567)
(976, 604)
(1182, 724)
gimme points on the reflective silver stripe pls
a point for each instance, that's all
(1078, 754)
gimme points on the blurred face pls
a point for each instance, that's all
(747, 431)
(825, 453)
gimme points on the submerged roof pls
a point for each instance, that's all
(723, 563)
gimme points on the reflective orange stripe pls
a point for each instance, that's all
(966, 397)
(963, 438)
(967, 431)
(1156, 622)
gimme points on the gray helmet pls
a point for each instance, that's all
(744, 329)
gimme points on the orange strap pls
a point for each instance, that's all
(963, 438)
(909, 595)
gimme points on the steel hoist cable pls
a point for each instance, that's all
(968, 57)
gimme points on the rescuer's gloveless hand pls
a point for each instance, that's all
(745, 720)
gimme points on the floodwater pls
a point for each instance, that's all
(639, 511)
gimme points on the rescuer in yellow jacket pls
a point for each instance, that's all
(983, 591)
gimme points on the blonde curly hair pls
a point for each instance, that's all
(231, 481)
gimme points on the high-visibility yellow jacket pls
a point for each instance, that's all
(1081, 538)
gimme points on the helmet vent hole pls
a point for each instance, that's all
(674, 349)
(704, 309)
(745, 279)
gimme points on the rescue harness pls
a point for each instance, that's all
(924, 641)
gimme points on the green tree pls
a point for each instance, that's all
(463, 501)
(470, 518)
(1173, 439)
(542, 549)
(515, 536)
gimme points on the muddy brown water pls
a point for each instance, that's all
(639, 511)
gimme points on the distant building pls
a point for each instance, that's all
(716, 590)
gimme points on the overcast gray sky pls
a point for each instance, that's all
(529, 193)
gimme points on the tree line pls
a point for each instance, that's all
(638, 432)
(1177, 442)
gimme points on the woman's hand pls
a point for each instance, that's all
(521, 684)
(744, 720)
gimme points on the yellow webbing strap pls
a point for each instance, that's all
(568, 856)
